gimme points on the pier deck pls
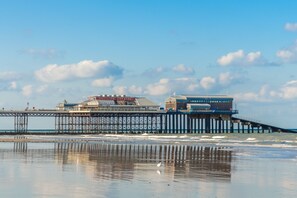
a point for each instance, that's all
(167, 122)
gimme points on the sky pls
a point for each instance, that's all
(54, 50)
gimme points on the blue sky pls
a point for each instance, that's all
(56, 50)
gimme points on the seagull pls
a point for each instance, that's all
(159, 164)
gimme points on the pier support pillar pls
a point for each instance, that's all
(231, 127)
(188, 124)
(165, 123)
(220, 125)
(21, 123)
(184, 123)
(207, 124)
(199, 125)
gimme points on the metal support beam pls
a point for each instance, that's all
(21, 123)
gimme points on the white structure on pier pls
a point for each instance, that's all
(111, 103)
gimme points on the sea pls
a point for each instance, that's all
(149, 165)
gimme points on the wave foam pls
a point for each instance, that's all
(218, 137)
(251, 139)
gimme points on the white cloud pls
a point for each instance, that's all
(207, 82)
(131, 90)
(27, 90)
(135, 90)
(285, 54)
(228, 78)
(186, 85)
(264, 90)
(120, 90)
(274, 94)
(168, 86)
(253, 56)
(8, 76)
(181, 68)
(41, 88)
(230, 58)
(263, 95)
(291, 83)
(13, 85)
(193, 86)
(189, 85)
(43, 53)
(248, 96)
(225, 78)
(32, 90)
(164, 80)
(289, 90)
(159, 69)
(291, 27)
(103, 82)
(154, 72)
(83, 69)
(288, 55)
(160, 88)
(241, 59)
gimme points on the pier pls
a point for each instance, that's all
(120, 114)
(92, 122)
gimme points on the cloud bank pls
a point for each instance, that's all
(103, 82)
(181, 68)
(84, 69)
(43, 53)
(287, 91)
(289, 54)
(207, 82)
(240, 58)
(291, 27)
(9, 76)
(133, 90)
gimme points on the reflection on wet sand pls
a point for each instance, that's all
(121, 161)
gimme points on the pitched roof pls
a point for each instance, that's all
(145, 102)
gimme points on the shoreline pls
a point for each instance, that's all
(288, 141)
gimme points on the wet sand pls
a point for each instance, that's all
(69, 166)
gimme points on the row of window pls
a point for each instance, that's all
(210, 101)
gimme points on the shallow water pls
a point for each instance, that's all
(227, 165)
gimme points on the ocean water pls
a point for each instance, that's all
(148, 165)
